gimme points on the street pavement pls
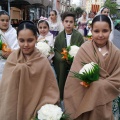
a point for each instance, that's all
(116, 40)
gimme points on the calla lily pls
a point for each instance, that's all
(89, 73)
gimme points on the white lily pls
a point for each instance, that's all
(87, 68)
(89, 33)
(44, 48)
(73, 50)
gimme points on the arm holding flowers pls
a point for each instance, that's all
(5, 50)
(9, 41)
(58, 48)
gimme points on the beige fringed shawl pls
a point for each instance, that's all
(94, 102)
(26, 86)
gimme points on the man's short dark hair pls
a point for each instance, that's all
(68, 14)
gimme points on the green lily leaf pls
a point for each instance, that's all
(88, 75)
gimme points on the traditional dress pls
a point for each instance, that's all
(26, 85)
(56, 27)
(61, 66)
(48, 38)
(10, 39)
(82, 24)
(95, 101)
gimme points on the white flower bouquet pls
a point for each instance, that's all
(89, 73)
(89, 35)
(69, 53)
(44, 48)
(51, 112)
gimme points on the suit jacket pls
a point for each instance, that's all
(61, 66)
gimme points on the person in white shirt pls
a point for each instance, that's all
(8, 36)
(45, 35)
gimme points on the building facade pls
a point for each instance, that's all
(62, 5)
(27, 9)
(83, 4)
(94, 5)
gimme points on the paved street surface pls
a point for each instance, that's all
(116, 40)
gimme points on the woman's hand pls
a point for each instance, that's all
(6, 54)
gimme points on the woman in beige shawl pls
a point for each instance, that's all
(28, 81)
(95, 101)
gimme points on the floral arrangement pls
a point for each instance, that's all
(88, 74)
(69, 53)
(3, 46)
(89, 35)
(44, 48)
(51, 112)
(90, 22)
(76, 25)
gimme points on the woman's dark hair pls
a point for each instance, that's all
(102, 18)
(43, 21)
(3, 12)
(68, 14)
(84, 12)
(54, 11)
(104, 8)
(27, 25)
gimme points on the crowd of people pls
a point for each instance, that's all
(29, 79)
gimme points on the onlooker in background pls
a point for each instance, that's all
(91, 16)
(116, 40)
(89, 34)
(9, 38)
(104, 11)
(15, 23)
(12, 22)
(69, 36)
(55, 23)
(82, 23)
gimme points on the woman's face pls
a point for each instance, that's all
(105, 12)
(27, 40)
(84, 14)
(53, 17)
(100, 33)
(4, 22)
(43, 29)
